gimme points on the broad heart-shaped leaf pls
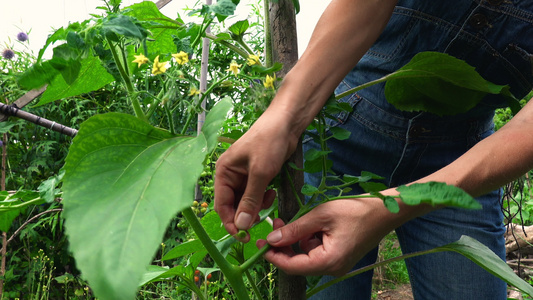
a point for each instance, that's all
(438, 83)
(124, 181)
(437, 193)
(91, 76)
(488, 260)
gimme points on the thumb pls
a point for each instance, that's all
(294, 232)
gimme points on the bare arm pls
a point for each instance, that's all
(350, 228)
(495, 161)
(343, 34)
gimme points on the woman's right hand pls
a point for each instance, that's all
(245, 170)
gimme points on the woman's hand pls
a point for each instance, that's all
(334, 236)
(245, 170)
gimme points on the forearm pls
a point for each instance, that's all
(345, 31)
(495, 161)
(490, 164)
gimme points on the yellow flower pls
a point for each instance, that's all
(181, 58)
(140, 60)
(194, 91)
(234, 67)
(269, 81)
(159, 67)
(253, 60)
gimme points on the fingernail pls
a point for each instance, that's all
(274, 237)
(244, 221)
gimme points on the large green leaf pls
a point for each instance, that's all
(37, 76)
(124, 181)
(488, 260)
(438, 83)
(437, 193)
(92, 76)
(161, 41)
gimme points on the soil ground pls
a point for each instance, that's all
(400, 292)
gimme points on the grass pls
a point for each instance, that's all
(393, 274)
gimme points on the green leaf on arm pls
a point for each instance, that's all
(391, 204)
(437, 193)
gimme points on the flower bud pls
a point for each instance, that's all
(8, 54)
(22, 36)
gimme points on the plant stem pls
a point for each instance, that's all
(369, 267)
(170, 120)
(132, 95)
(233, 273)
(365, 85)
(236, 49)
(189, 118)
(19, 206)
(252, 260)
(254, 285)
(243, 44)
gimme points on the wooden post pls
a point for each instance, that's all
(285, 50)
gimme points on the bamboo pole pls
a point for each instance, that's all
(24, 100)
(14, 111)
(203, 88)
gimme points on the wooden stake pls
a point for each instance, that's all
(285, 50)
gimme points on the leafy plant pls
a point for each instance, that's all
(129, 174)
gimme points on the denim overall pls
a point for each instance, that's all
(494, 36)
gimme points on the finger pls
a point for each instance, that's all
(296, 231)
(313, 263)
(307, 243)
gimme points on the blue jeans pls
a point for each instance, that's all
(403, 149)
